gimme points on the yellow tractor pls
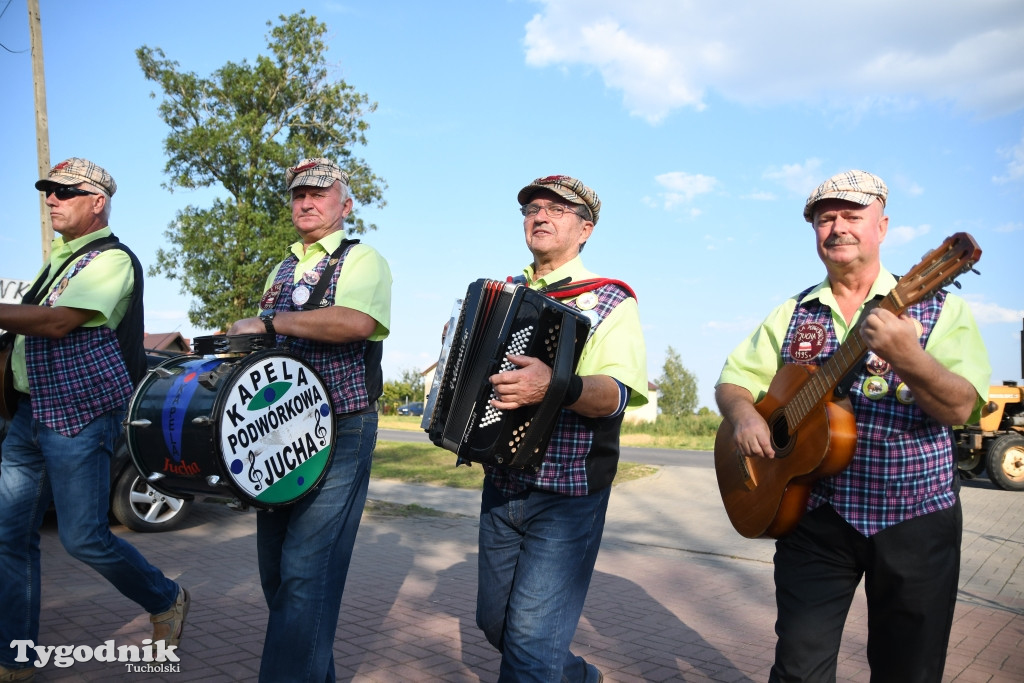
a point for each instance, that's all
(996, 442)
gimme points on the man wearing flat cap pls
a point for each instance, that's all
(893, 515)
(77, 351)
(304, 549)
(540, 531)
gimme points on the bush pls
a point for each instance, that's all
(674, 425)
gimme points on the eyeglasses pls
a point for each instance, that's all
(553, 210)
(65, 193)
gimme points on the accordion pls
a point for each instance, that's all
(496, 319)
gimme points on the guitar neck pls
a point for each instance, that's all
(821, 384)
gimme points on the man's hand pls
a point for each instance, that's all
(248, 326)
(523, 387)
(749, 430)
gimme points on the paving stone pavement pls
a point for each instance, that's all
(677, 595)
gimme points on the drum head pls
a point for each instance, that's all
(274, 428)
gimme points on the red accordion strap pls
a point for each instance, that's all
(578, 287)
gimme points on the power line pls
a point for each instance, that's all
(2, 12)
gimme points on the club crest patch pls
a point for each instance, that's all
(808, 341)
(270, 297)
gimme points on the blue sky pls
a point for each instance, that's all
(702, 125)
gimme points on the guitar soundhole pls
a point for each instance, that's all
(780, 435)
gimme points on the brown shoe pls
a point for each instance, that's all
(167, 626)
(26, 674)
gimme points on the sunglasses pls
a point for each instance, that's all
(65, 193)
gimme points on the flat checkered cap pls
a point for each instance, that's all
(74, 171)
(859, 187)
(318, 172)
(566, 187)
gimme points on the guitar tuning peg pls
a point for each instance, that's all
(975, 271)
(957, 284)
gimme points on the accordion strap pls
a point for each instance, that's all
(568, 290)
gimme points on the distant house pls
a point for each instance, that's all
(167, 341)
(646, 413)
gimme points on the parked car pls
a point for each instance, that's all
(411, 409)
(133, 502)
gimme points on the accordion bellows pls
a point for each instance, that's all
(497, 319)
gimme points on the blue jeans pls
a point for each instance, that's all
(40, 466)
(537, 555)
(304, 553)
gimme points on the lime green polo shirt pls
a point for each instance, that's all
(364, 283)
(104, 286)
(955, 341)
(617, 348)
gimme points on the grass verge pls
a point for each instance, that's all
(420, 463)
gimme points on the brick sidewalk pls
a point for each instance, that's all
(665, 603)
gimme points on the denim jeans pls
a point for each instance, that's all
(304, 553)
(537, 555)
(40, 466)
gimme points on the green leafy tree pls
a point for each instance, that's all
(406, 389)
(238, 130)
(678, 387)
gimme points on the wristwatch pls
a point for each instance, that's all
(268, 320)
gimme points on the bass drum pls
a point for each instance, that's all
(259, 427)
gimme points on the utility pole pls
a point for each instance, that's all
(42, 127)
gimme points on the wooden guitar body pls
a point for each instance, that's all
(766, 497)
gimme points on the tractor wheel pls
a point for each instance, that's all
(1005, 462)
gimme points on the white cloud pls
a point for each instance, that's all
(683, 187)
(985, 312)
(1014, 165)
(799, 179)
(664, 55)
(1010, 227)
(903, 234)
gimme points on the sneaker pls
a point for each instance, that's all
(25, 674)
(167, 626)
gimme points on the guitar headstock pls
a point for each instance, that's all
(939, 267)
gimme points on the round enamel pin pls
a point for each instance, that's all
(875, 387)
(903, 394)
(311, 277)
(586, 301)
(875, 364)
(300, 295)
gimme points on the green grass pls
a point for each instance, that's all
(419, 463)
(690, 432)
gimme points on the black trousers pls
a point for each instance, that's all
(910, 570)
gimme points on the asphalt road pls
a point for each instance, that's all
(644, 456)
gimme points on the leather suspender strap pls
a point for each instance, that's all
(317, 295)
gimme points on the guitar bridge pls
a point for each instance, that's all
(748, 479)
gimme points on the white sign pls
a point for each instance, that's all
(12, 291)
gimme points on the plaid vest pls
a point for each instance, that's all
(76, 379)
(904, 465)
(352, 370)
(583, 453)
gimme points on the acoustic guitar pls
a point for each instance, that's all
(813, 431)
